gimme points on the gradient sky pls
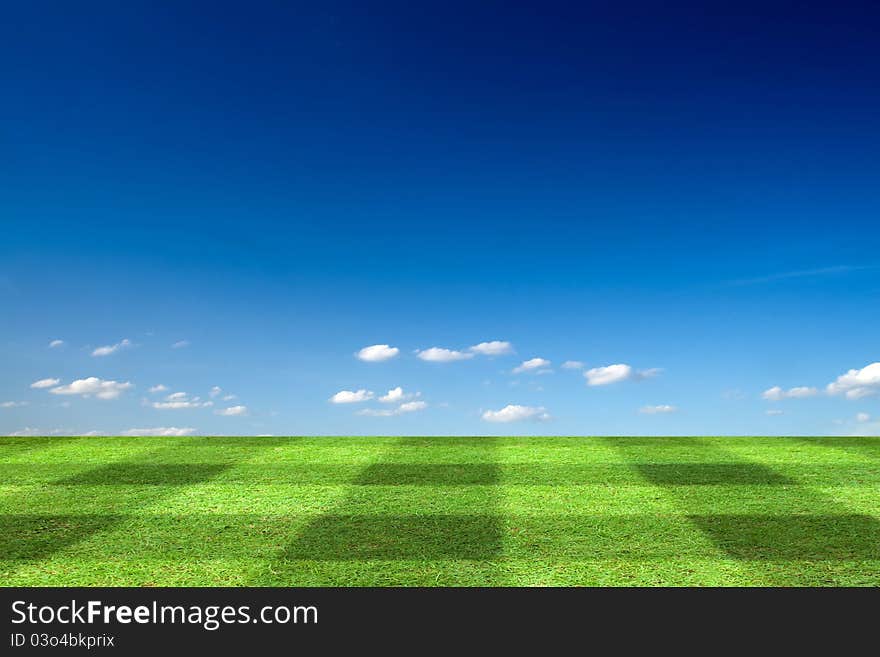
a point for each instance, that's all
(272, 187)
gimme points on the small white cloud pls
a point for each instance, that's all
(862, 417)
(776, 393)
(655, 410)
(396, 395)
(13, 404)
(160, 431)
(493, 348)
(181, 400)
(93, 386)
(377, 353)
(351, 396)
(27, 431)
(441, 355)
(532, 365)
(112, 349)
(572, 365)
(216, 390)
(158, 388)
(516, 413)
(180, 344)
(603, 376)
(45, 383)
(178, 405)
(229, 397)
(56, 343)
(856, 384)
(232, 410)
(408, 407)
(774, 411)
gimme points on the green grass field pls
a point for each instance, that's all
(439, 511)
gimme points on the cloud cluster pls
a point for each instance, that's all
(56, 343)
(572, 365)
(407, 407)
(112, 349)
(532, 365)
(776, 393)
(856, 384)
(603, 376)
(232, 411)
(158, 388)
(441, 355)
(45, 383)
(180, 400)
(517, 413)
(13, 404)
(397, 395)
(351, 396)
(91, 386)
(377, 353)
(658, 409)
(160, 431)
(493, 348)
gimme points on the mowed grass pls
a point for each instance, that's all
(212, 511)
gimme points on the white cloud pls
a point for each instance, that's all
(45, 383)
(27, 431)
(493, 348)
(112, 349)
(862, 417)
(216, 390)
(441, 355)
(856, 384)
(776, 393)
(232, 410)
(408, 407)
(351, 397)
(396, 395)
(178, 405)
(516, 413)
(377, 353)
(93, 386)
(655, 410)
(158, 388)
(774, 411)
(603, 376)
(531, 365)
(56, 343)
(181, 400)
(229, 397)
(572, 365)
(180, 344)
(412, 406)
(160, 431)
(12, 404)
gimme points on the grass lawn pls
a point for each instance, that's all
(353, 511)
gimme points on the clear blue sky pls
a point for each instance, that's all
(691, 194)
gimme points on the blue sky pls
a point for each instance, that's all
(690, 197)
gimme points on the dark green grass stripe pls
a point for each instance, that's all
(767, 536)
(430, 474)
(553, 538)
(397, 535)
(62, 531)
